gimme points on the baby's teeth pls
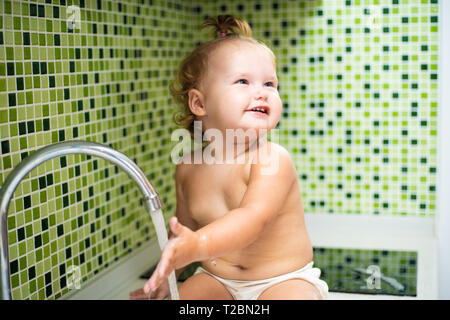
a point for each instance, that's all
(259, 109)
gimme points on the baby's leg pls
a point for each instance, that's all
(293, 289)
(202, 286)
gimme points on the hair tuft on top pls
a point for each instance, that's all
(227, 25)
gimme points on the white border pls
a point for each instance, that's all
(443, 183)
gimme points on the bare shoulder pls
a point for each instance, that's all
(274, 151)
(274, 160)
(280, 151)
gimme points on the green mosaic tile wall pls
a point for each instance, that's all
(105, 80)
(359, 82)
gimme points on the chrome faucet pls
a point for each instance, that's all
(151, 197)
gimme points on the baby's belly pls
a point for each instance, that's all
(248, 265)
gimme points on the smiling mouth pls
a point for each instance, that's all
(260, 109)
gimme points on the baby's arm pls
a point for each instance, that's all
(237, 229)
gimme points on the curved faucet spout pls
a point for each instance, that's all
(152, 200)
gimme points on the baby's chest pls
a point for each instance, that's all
(214, 190)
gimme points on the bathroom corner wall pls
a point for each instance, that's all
(98, 73)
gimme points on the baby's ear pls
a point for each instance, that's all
(196, 102)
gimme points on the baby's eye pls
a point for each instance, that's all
(269, 84)
(242, 81)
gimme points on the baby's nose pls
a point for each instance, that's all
(260, 93)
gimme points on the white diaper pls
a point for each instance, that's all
(252, 289)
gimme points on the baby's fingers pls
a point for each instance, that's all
(151, 284)
(159, 295)
(161, 272)
(138, 294)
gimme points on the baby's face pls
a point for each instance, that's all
(240, 88)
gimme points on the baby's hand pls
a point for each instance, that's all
(159, 294)
(181, 249)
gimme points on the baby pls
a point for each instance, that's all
(246, 226)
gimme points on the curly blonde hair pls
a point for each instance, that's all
(193, 67)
